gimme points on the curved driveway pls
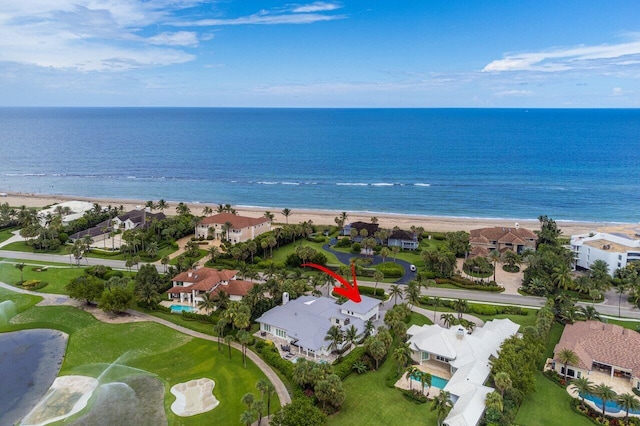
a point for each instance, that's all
(346, 259)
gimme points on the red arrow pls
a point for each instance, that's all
(348, 291)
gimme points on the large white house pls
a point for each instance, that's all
(241, 228)
(467, 357)
(305, 321)
(616, 246)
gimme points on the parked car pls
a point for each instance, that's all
(412, 268)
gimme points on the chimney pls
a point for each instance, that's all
(285, 298)
(189, 274)
(460, 333)
(517, 225)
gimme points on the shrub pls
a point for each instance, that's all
(34, 284)
(415, 396)
(483, 309)
(356, 248)
(345, 366)
(111, 274)
(391, 270)
(366, 290)
(197, 317)
(271, 356)
(344, 242)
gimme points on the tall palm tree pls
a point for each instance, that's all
(247, 417)
(561, 277)
(565, 357)
(628, 402)
(583, 386)
(605, 393)
(494, 256)
(206, 211)
(448, 319)
(267, 389)
(412, 293)
(286, 213)
(461, 306)
(395, 291)
(411, 373)
(425, 380)
(436, 303)
(377, 277)
(20, 266)
(351, 335)
(442, 405)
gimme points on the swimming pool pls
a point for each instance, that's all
(610, 406)
(176, 309)
(436, 382)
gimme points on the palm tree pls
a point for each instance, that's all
(448, 319)
(628, 402)
(244, 337)
(425, 380)
(182, 209)
(494, 256)
(162, 205)
(436, 302)
(165, 261)
(351, 335)
(561, 277)
(402, 355)
(502, 382)
(150, 205)
(206, 211)
(411, 373)
(267, 389)
(335, 337)
(566, 357)
(621, 289)
(286, 213)
(588, 313)
(395, 291)
(377, 277)
(583, 386)
(441, 405)
(494, 400)
(412, 293)
(460, 305)
(247, 417)
(605, 393)
(226, 227)
(208, 303)
(269, 215)
(20, 266)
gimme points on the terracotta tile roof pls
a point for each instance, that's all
(478, 251)
(236, 288)
(478, 239)
(238, 222)
(605, 343)
(510, 237)
(497, 233)
(203, 279)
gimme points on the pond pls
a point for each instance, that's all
(29, 362)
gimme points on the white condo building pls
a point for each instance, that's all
(617, 246)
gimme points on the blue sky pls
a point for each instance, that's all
(413, 53)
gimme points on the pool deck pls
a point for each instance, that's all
(619, 385)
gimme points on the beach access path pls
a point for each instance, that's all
(61, 299)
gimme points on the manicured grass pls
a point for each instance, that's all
(201, 253)
(178, 319)
(22, 246)
(280, 254)
(57, 278)
(554, 337)
(7, 233)
(172, 356)
(522, 320)
(548, 405)
(419, 319)
(98, 254)
(631, 325)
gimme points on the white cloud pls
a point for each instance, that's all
(180, 38)
(617, 91)
(568, 58)
(514, 93)
(318, 6)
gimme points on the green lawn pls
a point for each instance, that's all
(22, 246)
(201, 253)
(172, 356)
(370, 402)
(280, 254)
(548, 405)
(57, 278)
(5, 234)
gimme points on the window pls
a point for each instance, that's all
(337, 321)
(441, 358)
(281, 333)
(425, 356)
(266, 327)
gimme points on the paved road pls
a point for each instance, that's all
(609, 307)
(280, 388)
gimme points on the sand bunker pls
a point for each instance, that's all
(66, 396)
(194, 397)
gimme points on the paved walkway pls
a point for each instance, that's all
(61, 299)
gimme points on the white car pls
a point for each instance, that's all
(412, 268)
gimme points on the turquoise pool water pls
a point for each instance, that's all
(175, 309)
(610, 406)
(437, 382)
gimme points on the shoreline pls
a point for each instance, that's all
(321, 216)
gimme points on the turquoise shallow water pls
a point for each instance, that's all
(509, 163)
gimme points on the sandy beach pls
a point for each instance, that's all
(319, 217)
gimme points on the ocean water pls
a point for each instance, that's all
(506, 163)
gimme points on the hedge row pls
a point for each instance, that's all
(269, 353)
(470, 285)
(479, 309)
(368, 291)
(345, 367)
